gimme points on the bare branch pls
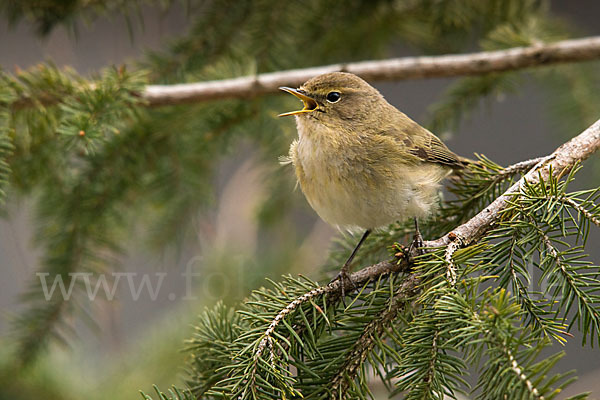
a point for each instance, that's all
(392, 69)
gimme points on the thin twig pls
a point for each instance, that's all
(521, 166)
(519, 371)
(267, 336)
(579, 208)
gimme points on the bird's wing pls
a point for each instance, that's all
(434, 150)
(424, 145)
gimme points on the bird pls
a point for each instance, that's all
(362, 163)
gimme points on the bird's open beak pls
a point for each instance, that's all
(310, 104)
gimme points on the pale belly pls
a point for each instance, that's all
(350, 192)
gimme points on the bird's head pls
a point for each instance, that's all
(337, 99)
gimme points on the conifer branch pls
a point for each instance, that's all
(580, 208)
(571, 280)
(519, 371)
(428, 381)
(268, 339)
(373, 330)
(575, 50)
(555, 165)
(502, 345)
(567, 155)
(334, 288)
(548, 327)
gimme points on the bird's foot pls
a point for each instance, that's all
(344, 277)
(416, 247)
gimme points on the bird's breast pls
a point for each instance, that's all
(359, 183)
(338, 179)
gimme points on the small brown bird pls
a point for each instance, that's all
(362, 163)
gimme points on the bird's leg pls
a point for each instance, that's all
(344, 275)
(417, 242)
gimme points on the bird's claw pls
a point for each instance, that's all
(344, 277)
(416, 245)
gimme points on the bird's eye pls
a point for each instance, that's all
(333, 97)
